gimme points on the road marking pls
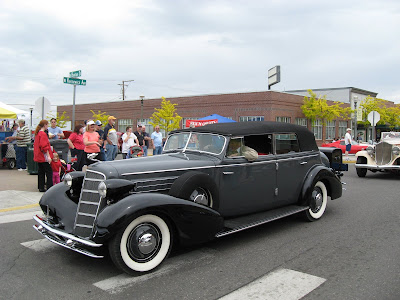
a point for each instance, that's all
(19, 207)
(282, 284)
(19, 217)
(120, 282)
(41, 245)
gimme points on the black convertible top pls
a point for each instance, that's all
(305, 136)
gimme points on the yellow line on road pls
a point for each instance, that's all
(19, 207)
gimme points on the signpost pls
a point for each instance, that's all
(75, 81)
(42, 106)
(373, 118)
(274, 76)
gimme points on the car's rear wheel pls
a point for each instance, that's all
(197, 187)
(361, 172)
(142, 245)
(318, 202)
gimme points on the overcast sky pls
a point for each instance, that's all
(179, 48)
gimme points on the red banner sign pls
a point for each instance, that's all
(198, 123)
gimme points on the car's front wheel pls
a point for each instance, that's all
(361, 172)
(318, 202)
(142, 245)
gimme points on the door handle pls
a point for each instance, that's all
(303, 163)
(228, 173)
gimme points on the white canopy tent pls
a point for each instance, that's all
(21, 114)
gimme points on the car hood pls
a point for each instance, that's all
(154, 164)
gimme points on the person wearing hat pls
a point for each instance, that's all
(102, 155)
(91, 140)
(347, 142)
(110, 137)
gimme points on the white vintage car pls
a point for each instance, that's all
(384, 156)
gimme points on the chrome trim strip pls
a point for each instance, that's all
(273, 160)
(88, 202)
(64, 234)
(375, 167)
(84, 226)
(85, 214)
(90, 191)
(94, 179)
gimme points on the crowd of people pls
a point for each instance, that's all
(87, 143)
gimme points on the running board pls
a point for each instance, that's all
(249, 221)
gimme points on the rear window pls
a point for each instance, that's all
(286, 143)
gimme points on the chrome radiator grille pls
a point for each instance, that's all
(89, 203)
(383, 153)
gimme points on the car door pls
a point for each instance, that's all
(246, 187)
(292, 166)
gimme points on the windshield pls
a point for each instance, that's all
(390, 135)
(193, 141)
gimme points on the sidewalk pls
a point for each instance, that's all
(349, 160)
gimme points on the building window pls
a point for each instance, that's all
(251, 119)
(146, 122)
(283, 119)
(330, 130)
(342, 128)
(301, 121)
(317, 129)
(123, 123)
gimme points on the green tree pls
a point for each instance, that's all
(373, 104)
(101, 116)
(317, 108)
(61, 119)
(166, 116)
(393, 116)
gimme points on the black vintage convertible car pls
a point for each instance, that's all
(209, 182)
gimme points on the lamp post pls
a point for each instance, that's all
(141, 107)
(355, 98)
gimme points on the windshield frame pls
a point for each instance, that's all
(188, 149)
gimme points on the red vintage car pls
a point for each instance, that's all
(355, 147)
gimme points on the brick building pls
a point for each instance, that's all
(254, 106)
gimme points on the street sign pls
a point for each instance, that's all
(374, 117)
(75, 73)
(74, 81)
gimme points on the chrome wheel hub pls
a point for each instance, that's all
(144, 242)
(200, 196)
(317, 199)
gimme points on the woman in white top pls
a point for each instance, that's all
(129, 139)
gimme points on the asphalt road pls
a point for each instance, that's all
(354, 250)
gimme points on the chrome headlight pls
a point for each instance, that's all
(370, 150)
(68, 180)
(102, 189)
(396, 150)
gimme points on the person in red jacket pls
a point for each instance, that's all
(43, 155)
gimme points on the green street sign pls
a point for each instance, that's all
(75, 73)
(75, 81)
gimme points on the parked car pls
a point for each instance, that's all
(355, 147)
(384, 156)
(210, 182)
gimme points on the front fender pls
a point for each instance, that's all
(320, 173)
(194, 223)
(61, 207)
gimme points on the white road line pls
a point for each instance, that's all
(118, 283)
(41, 245)
(10, 218)
(282, 284)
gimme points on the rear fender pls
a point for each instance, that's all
(320, 173)
(194, 223)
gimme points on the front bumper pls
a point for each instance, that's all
(64, 239)
(376, 167)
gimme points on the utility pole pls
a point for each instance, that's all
(123, 88)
